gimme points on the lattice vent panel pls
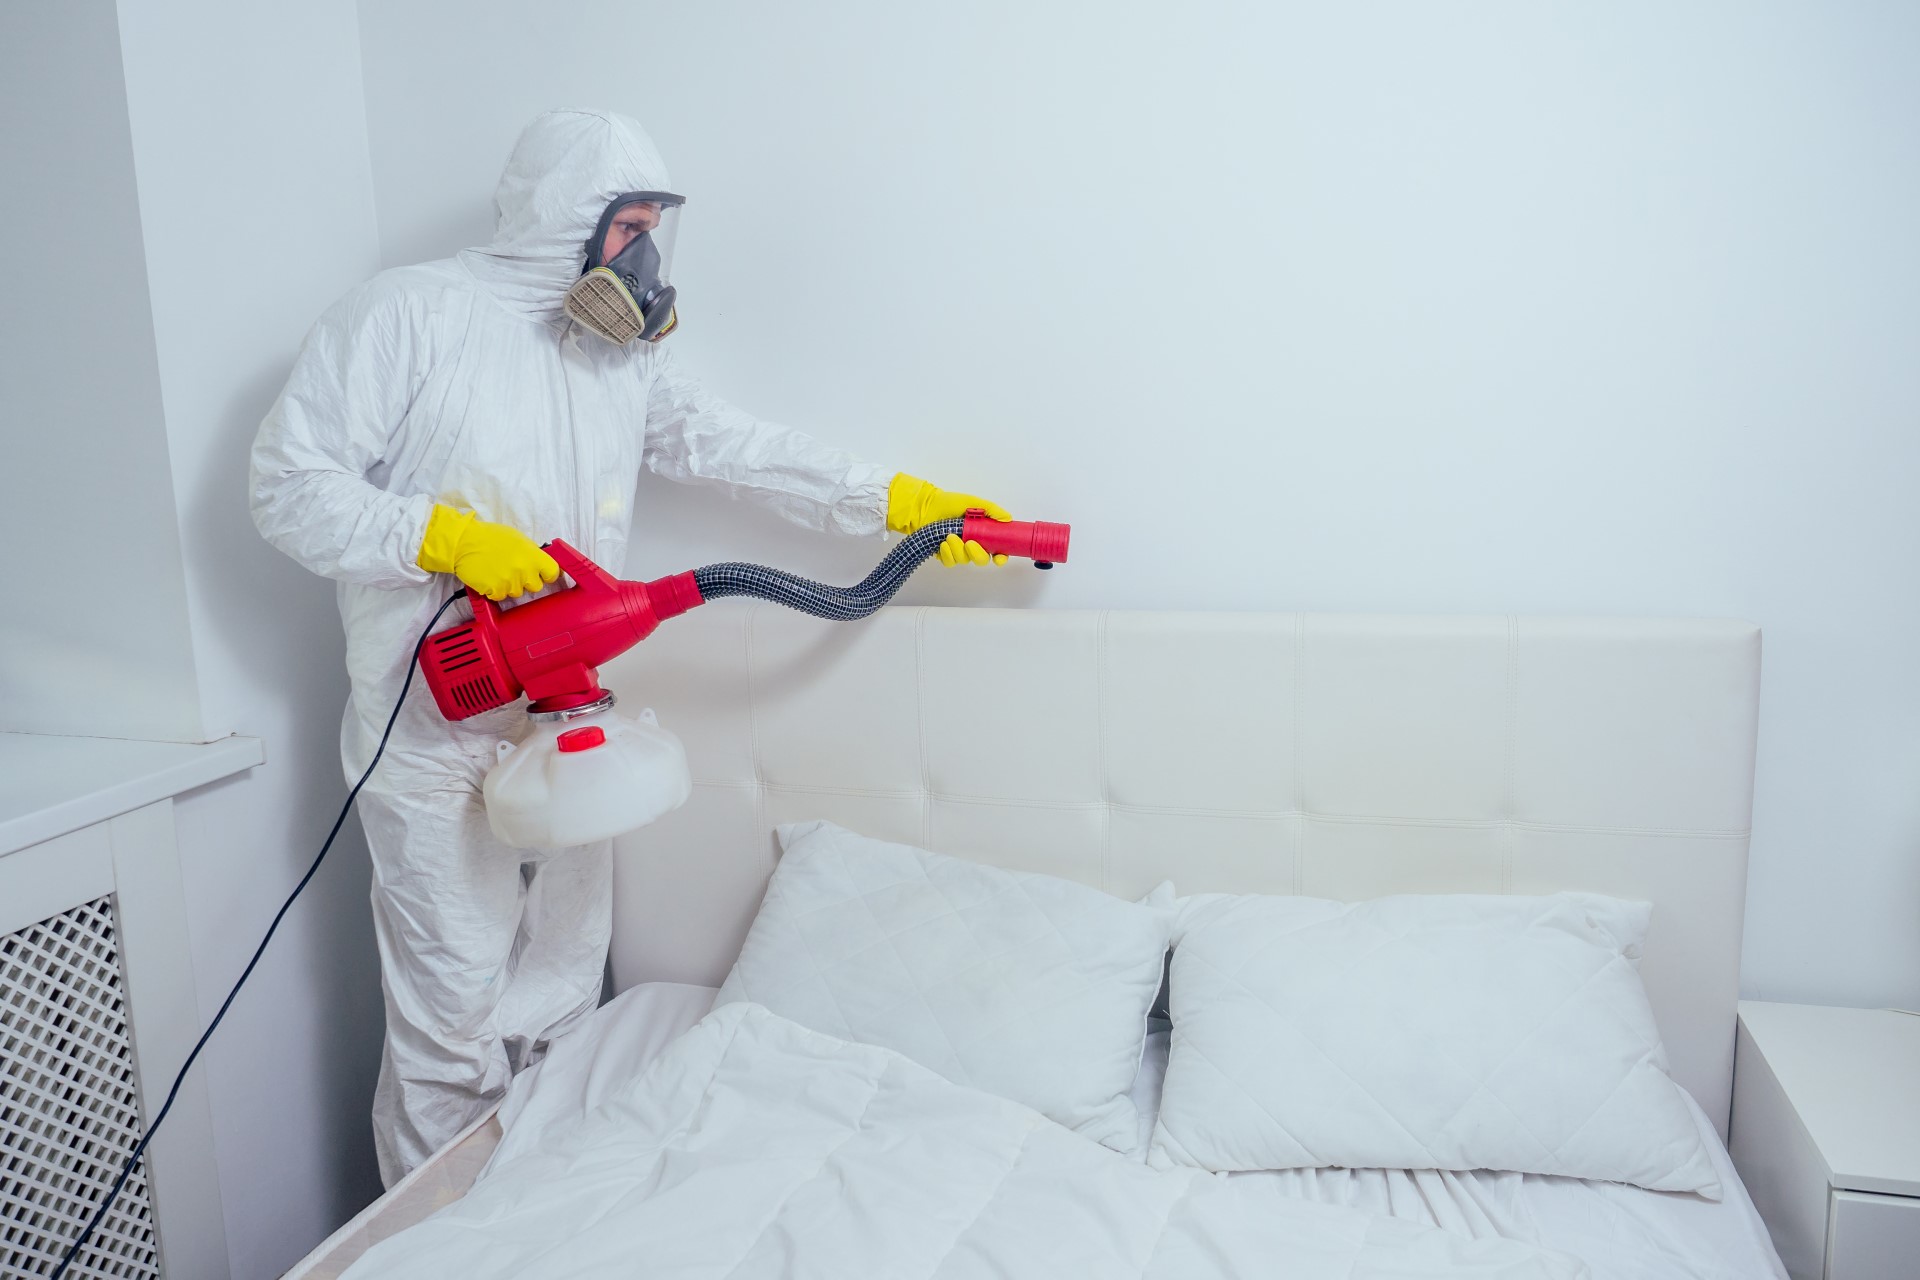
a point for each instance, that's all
(69, 1113)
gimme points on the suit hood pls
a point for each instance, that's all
(565, 168)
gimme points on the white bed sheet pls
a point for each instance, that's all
(755, 1147)
(1622, 1232)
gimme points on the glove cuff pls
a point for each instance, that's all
(440, 547)
(906, 499)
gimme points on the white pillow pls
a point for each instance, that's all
(1025, 985)
(1451, 1032)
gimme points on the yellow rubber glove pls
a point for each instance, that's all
(913, 504)
(496, 560)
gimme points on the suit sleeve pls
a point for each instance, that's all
(325, 436)
(695, 437)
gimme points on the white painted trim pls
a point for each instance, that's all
(54, 876)
(164, 1017)
(50, 786)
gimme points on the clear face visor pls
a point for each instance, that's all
(624, 291)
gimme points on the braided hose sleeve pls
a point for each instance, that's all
(839, 604)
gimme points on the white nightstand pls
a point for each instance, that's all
(1826, 1135)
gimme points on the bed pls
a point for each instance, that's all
(1340, 757)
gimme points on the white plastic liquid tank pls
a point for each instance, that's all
(585, 779)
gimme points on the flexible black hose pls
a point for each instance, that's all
(839, 604)
(133, 1160)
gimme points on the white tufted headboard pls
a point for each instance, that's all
(1337, 756)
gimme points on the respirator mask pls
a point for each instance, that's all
(624, 294)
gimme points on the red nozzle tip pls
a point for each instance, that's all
(1028, 539)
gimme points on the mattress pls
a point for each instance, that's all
(1621, 1232)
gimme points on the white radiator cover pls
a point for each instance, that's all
(69, 1101)
(97, 1012)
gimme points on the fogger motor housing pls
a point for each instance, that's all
(550, 648)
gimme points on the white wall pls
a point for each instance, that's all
(98, 641)
(188, 188)
(256, 208)
(1394, 307)
(1377, 307)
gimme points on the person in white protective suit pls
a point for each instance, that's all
(446, 419)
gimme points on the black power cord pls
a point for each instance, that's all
(134, 1159)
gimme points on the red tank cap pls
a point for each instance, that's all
(581, 739)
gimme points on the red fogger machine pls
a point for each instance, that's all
(583, 773)
(550, 648)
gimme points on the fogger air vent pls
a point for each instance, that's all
(455, 649)
(69, 1110)
(477, 695)
(465, 671)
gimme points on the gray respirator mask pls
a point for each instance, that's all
(625, 295)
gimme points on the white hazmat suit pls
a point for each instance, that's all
(462, 382)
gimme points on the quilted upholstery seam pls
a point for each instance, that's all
(917, 992)
(1027, 1014)
(1116, 1088)
(875, 917)
(820, 970)
(888, 938)
(1626, 1077)
(1074, 966)
(1264, 815)
(993, 1194)
(1554, 1150)
(1014, 880)
(854, 1130)
(1093, 981)
(1307, 1040)
(1359, 1251)
(1160, 1122)
(1386, 939)
(685, 1125)
(1166, 1221)
(1539, 1025)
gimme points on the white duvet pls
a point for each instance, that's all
(754, 1147)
